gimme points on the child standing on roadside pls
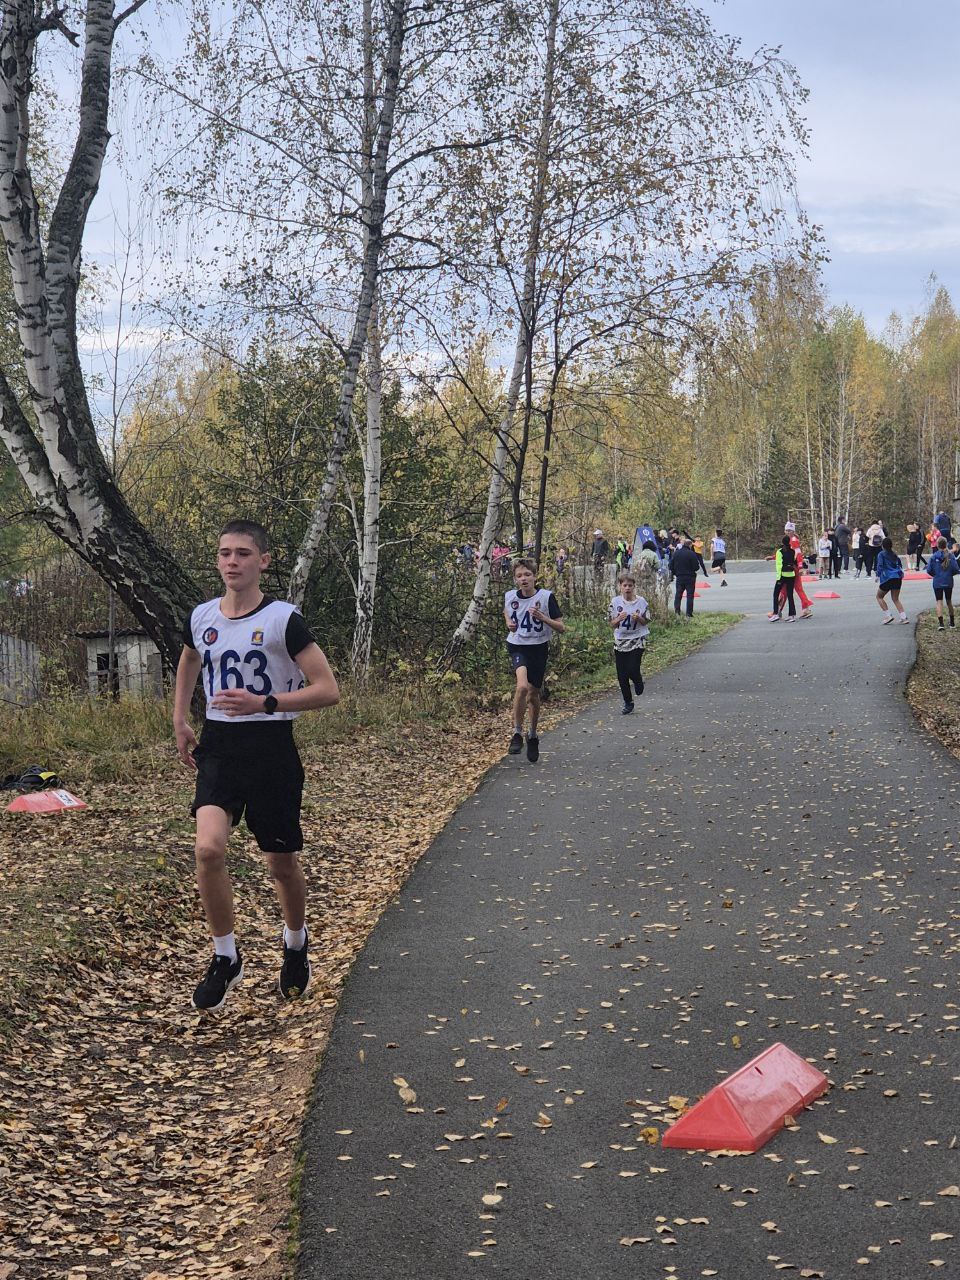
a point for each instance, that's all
(943, 568)
(629, 616)
(823, 556)
(531, 613)
(889, 568)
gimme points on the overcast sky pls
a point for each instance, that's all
(883, 175)
(883, 178)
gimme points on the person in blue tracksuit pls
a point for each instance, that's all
(943, 568)
(889, 570)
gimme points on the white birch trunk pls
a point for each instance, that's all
(61, 464)
(813, 517)
(374, 209)
(498, 478)
(370, 541)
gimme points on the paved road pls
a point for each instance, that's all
(766, 850)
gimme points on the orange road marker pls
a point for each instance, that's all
(750, 1106)
(45, 802)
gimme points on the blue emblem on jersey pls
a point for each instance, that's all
(210, 635)
(257, 637)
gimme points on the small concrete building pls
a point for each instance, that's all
(137, 659)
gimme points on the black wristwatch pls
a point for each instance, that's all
(269, 705)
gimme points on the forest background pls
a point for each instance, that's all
(402, 276)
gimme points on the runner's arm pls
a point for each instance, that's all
(188, 669)
(320, 691)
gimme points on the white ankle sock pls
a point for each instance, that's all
(295, 938)
(226, 946)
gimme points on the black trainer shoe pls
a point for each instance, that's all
(221, 977)
(516, 745)
(295, 972)
(533, 750)
(626, 708)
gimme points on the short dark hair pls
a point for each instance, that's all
(524, 564)
(252, 530)
(887, 544)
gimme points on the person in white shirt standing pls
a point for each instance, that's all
(823, 556)
(718, 553)
(260, 668)
(629, 616)
(530, 614)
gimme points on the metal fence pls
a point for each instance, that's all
(19, 671)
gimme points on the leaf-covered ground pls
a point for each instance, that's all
(137, 1138)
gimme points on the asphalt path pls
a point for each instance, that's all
(766, 850)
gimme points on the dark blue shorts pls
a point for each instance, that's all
(531, 656)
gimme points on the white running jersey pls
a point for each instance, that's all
(631, 633)
(245, 653)
(719, 546)
(530, 630)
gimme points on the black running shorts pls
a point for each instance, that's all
(531, 656)
(892, 584)
(718, 562)
(263, 783)
(943, 593)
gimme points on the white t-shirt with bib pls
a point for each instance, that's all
(631, 633)
(530, 630)
(252, 653)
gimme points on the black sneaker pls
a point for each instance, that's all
(941, 627)
(626, 708)
(295, 972)
(533, 750)
(516, 745)
(638, 685)
(222, 975)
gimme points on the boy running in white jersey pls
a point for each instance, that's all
(255, 656)
(718, 556)
(629, 617)
(531, 615)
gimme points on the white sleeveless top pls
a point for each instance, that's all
(529, 630)
(245, 653)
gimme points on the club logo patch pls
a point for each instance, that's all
(257, 637)
(210, 635)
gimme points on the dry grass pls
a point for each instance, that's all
(125, 1116)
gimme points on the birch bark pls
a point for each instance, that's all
(526, 320)
(374, 212)
(61, 462)
(370, 542)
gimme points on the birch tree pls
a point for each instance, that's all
(362, 97)
(50, 432)
(637, 189)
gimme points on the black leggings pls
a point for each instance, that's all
(869, 555)
(628, 669)
(784, 584)
(921, 559)
(685, 585)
